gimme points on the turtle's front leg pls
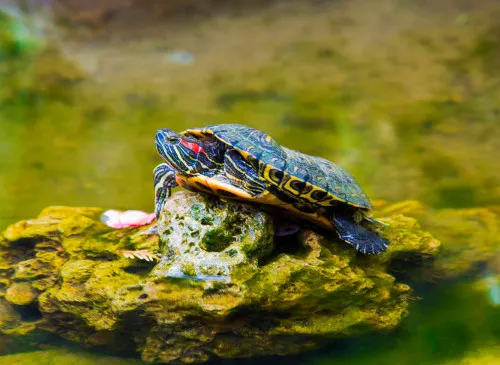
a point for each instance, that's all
(164, 181)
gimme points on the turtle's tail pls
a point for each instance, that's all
(361, 238)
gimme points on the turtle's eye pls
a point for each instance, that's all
(173, 139)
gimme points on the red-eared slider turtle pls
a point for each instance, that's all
(237, 162)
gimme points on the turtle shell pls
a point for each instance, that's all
(313, 180)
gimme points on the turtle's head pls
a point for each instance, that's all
(180, 152)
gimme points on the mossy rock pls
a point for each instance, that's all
(211, 239)
(264, 295)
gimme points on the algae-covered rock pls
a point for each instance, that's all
(9, 318)
(211, 239)
(223, 286)
(21, 293)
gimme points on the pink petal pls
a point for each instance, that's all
(129, 218)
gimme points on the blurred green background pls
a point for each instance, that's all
(403, 94)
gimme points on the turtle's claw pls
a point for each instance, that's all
(151, 230)
(129, 218)
(376, 222)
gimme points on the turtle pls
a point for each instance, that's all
(237, 162)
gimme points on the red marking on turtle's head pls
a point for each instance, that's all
(195, 147)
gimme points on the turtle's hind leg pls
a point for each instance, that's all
(361, 238)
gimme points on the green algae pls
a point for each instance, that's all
(21, 293)
(9, 318)
(318, 292)
(196, 302)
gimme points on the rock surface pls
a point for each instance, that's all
(223, 285)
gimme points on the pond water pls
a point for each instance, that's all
(403, 94)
